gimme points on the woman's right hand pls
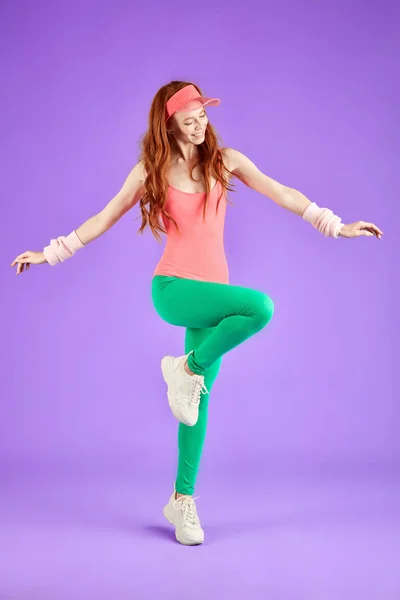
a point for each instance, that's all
(28, 258)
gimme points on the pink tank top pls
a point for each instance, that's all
(197, 251)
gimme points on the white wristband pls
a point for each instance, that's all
(62, 248)
(323, 220)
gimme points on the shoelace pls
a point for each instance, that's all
(198, 387)
(188, 508)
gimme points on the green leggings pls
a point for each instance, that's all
(217, 317)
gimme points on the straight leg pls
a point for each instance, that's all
(191, 439)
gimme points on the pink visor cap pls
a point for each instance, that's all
(187, 99)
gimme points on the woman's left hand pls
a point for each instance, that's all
(360, 228)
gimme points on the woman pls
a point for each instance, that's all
(182, 178)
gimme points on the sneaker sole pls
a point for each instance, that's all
(167, 368)
(181, 539)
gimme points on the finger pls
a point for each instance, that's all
(376, 231)
(371, 231)
(374, 228)
(17, 259)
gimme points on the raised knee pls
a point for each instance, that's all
(265, 310)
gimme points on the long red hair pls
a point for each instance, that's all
(156, 146)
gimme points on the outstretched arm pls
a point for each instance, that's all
(291, 199)
(129, 194)
(250, 174)
(63, 247)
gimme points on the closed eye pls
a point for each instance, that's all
(191, 122)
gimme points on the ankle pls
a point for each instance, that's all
(177, 495)
(188, 371)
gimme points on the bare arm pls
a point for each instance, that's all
(129, 194)
(285, 196)
(250, 174)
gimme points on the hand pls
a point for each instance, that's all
(360, 228)
(28, 258)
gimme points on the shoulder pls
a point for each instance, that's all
(141, 171)
(137, 172)
(232, 158)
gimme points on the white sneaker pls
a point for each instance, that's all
(183, 514)
(183, 389)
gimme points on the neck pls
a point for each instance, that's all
(184, 152)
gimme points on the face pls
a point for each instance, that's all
(190, 126)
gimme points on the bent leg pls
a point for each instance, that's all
(235, 312)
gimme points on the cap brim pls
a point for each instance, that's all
(196, 103)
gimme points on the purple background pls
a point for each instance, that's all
(299, 481)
